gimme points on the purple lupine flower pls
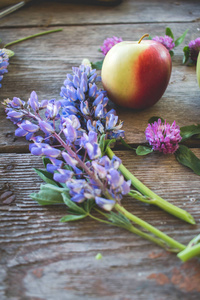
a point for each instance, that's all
(109, 43)
(167, 41)
(106, 204)
(52, 111)
(51, 152)
(46, 127)
(15, 114)
(33, 101)
(28, 126)
(163, 137)
(194, 47)
(63, 176)
(3, 64)
(15, 103)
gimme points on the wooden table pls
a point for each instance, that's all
(42, 258)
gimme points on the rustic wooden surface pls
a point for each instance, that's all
(42, 258)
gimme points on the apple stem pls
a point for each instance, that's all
(145, 35)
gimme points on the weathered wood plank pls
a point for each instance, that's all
(44, 259)
(62, 13)
(41, 65)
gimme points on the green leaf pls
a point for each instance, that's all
(102, 143)
(168, 32)
(143, 150)
(47, 197)
(118, 219)
(189, 131)
(72, 205)
(46, 176)
(186, 56)
(70, 218)
(155, 119)
(187, 158)
(126, 145)
(54, 188)
(88, 205)
(171, 53)
(97, 65)
(180, 39)
(45, 161)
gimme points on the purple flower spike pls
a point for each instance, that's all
(109, 43)
(106, 204)
(194, 49)
(163, 137)
(167, 41)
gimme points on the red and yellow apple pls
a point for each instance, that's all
(136, 74)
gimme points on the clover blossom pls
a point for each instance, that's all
(109, 43)
(194, 48)
(167, 41)
(163, 137)
(3, 64)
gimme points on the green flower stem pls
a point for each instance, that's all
(155, 199)
(32, 36)
(189, 252)
(134, 230)
(172, 244)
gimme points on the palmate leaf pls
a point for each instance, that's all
(69, 218)
(118, 219)
(45, 176)
(72, 205)
(47, 196)
(187, 158)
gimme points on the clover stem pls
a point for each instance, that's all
(156, 200)
(144, 35)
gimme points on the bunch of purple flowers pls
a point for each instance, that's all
(71, 131)
(3, 64)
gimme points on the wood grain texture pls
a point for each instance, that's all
(42, 258)
(62, 13)
(42, 64)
